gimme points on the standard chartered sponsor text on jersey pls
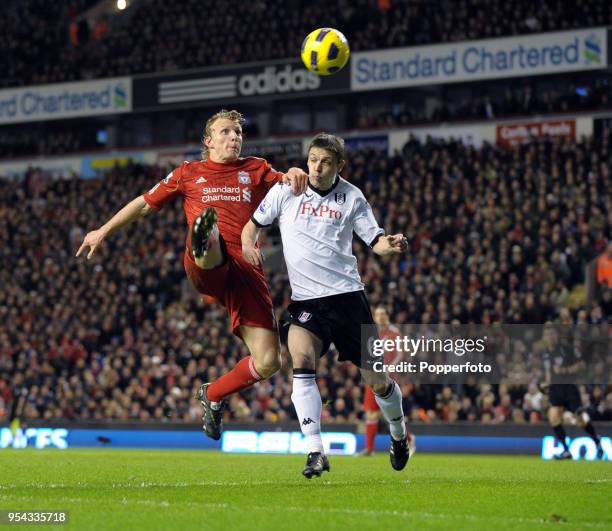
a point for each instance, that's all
(221, 190)
(210, 198)
(221, 193)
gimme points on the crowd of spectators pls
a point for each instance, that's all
(34, 38)
(514, 98)
(45, 42)
(488, 102)
(45, 139)
(496, 235)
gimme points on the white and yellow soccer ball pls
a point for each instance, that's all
(325, 51)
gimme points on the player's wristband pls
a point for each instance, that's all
(257, 224)
(376, 238)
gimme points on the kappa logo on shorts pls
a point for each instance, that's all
(244, 177)
(307, 421)
(304, 317)
(340, 198)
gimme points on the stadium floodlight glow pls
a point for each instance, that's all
(121, 4)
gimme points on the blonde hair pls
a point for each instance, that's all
(233, 115)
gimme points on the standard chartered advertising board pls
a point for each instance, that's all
(527, 55)
(66, 100)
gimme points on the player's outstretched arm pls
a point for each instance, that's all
(396, 243)
(135, 209)
(249, 236)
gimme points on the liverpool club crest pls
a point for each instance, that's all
(244, 177)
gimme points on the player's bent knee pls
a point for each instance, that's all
(264, 347)
(267, 364)
(267, 371)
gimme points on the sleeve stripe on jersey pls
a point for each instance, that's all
(261, 226)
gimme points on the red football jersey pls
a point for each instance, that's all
(235, 189)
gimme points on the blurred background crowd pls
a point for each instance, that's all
(83, 39)
(496, 235)
(74, 40)
(369, 112)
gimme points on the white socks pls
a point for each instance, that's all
(391, 408)
(307, 402)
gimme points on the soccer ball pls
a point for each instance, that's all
(325, 51)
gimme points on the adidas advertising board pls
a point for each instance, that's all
(270, 80)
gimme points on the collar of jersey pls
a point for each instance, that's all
(222, 165)
(323, 193)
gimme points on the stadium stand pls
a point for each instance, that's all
(496, 234)
(513, 99)
(57, 138)
(68, 44)
(487, 101)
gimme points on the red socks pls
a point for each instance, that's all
(243, 375)
(371, 428)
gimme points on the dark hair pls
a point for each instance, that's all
(331, 143)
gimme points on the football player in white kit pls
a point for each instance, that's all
(328, 298)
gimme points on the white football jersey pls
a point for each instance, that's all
(317, 232)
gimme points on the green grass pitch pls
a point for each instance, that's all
(167, 489)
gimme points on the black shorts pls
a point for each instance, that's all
(337, 319)
(565, 395)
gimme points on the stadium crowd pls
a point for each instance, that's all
(487, 102)
(49, 43)
(46, 139)
(514, 98)
(45, 43)
(497, 235)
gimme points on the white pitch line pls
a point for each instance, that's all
(153, 484)
(139, 484)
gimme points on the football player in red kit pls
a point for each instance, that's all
(372, 411)
(220, 193)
